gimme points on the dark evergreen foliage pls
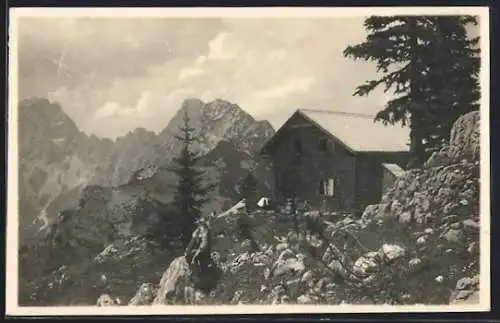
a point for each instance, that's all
(431, 66)
(191, 191)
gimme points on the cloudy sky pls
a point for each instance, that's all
(112, 75)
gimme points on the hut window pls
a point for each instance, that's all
(327, 187)
(323, 144)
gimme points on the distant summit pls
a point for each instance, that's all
(216, 121)
(57, 160)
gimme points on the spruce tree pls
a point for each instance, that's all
(419, 58)
(453, 75)
(190, 194)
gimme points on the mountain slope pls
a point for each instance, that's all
(232, 165)
(53, 158)
(57, 161)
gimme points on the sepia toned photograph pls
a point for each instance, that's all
(250, 160)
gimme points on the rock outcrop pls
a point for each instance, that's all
(437, 208)
(144, 296)
(466, 291)
(175, 284)
(121, 271)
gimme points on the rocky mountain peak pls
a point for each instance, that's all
(219, 108)
(46, 132)
(214, 121)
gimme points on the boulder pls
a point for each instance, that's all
(442, 157)
(449, 218)
(429, 231)
(467, 283)
(396, 208)
(328, 256)
(365, 265)
(105, 300)
(313, 241)
(453, 235)
(382, 210)
(472, 247)
(465, 297)
(466, 291)
(414, 263)
(261, 258)
(307, 277)
(291, 265)
(306, 299)
(313, 214)
(236, 297)
(338, 269)
(470, 225)
(450, 207)
(391, 252)
(421, 240)
(144, 295)
(405, 218)
(419, 216)
(173, 283)
(108, 252)
(465, 135)
(370, 211)
(282, 246)
(276, 294)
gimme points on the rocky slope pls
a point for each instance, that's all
(423, 236)
(53, 158)
(57, 161)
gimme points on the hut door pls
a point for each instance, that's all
(327, 192)
(327, 187)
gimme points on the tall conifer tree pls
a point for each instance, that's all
(452, 77)
(430, 65)
(190, 194)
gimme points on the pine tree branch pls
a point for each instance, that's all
(439, 82)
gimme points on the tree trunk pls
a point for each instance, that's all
(416, 146)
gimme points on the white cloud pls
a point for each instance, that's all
(200, 60)
(112, 109)
(189, 72)
(219, 49)
(269, 67)
(115, 110)
(293, 86)
(143, 102)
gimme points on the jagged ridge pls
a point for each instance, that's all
(57, 160)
